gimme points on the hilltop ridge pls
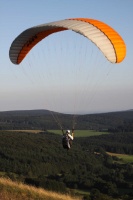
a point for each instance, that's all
(45, 119)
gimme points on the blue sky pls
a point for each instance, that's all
(31, 86)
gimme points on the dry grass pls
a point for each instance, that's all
(26, 131)
(10, 190)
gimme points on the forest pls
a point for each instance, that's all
(87, 168)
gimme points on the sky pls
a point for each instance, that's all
(48, 78)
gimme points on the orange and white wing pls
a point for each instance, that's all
(102, 35)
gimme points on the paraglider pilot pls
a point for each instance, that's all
(67, 139)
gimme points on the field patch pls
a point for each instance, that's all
(123, 157)
(81, 133)
(25, 131)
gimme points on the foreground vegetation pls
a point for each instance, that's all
(39, 160)
(10, 190)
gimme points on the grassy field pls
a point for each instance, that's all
(123, 157)
(78, 133)
(81, 133)
(10, 190)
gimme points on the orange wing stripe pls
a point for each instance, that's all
(34, 40)
(114, 37)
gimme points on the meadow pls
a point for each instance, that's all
(81, 133)
(78, 133)
(124, 158)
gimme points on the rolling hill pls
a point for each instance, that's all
(43, 119)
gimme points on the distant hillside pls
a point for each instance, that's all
(45, 119)
(107, 120)
(25, 113)
(18, 191)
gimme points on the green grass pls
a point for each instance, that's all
(81, 192)
(81, 133)
(124, 157)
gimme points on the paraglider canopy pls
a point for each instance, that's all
(105, 38)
